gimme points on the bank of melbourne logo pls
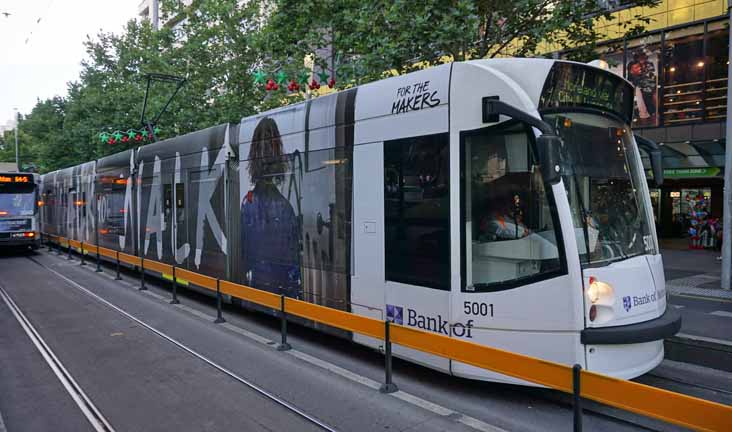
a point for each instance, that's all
(627, 304)
(395, 314)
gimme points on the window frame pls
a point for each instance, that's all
(522, 281)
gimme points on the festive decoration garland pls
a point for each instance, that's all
(131, 135)
(277, 81)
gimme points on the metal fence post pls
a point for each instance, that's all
(118, 277)
(219, 318)
(99, 266)
(577, 399)
(142, 275)
(283, 346)
(388, 386)
(82, 253)
(175, 289)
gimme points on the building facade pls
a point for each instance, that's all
(679, 67)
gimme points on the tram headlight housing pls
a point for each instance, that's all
(599, 292)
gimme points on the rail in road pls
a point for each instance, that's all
(142, 385)
(668, 406)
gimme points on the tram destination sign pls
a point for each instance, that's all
(15, 178)
(572, 85)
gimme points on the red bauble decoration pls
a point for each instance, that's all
(271, 85)
(331, 83)
(125, 139)
(314, 85)
(138, 137)
(293, 86)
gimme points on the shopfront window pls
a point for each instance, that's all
(684, 76)
(642, 70)
(715, 97)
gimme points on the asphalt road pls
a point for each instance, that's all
(32, 398)
(142, 382)
(138, 380)
(705, 317)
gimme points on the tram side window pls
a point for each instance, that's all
(507, 218)
(417, 211)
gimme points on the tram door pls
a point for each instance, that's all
(168, 214)
(179, 231)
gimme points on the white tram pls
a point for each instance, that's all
(498, 201)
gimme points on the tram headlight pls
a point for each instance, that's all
(599, 292)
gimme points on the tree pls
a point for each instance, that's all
(385, 36)
(216, 45)
(210, 48)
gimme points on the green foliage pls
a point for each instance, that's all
(218, 45)
(377, 37)
(210, 48)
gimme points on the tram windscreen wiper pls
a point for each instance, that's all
(584, 214)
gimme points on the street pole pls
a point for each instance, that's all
(727, 210)
(155, 12)
(17, 124)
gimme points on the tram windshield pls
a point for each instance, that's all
(17, 199)
(603, 182)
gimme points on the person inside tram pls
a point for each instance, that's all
(504, 218)
(270, 232)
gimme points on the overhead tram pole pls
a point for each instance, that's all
(17, 125)
(727, 210)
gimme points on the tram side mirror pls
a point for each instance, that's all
(550, 158)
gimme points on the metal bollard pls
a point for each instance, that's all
(388, 386)
(577, 399)
(142, 275)
(82, 253)
(99, 266)
(69, 257)
(283, 346)
(118, 277)
(219, 318)
(175, 289)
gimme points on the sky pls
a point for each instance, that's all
(38, 59)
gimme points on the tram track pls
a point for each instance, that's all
(247, 383)
(85, 404)
(562, 400)
(689, 384)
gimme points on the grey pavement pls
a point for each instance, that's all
(694, 272)
(694, 284)
(325, 376)
(31, 397)
(140, 381)
(693, 280)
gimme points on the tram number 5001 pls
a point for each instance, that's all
(478, 308)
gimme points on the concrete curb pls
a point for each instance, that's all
(699, 350)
